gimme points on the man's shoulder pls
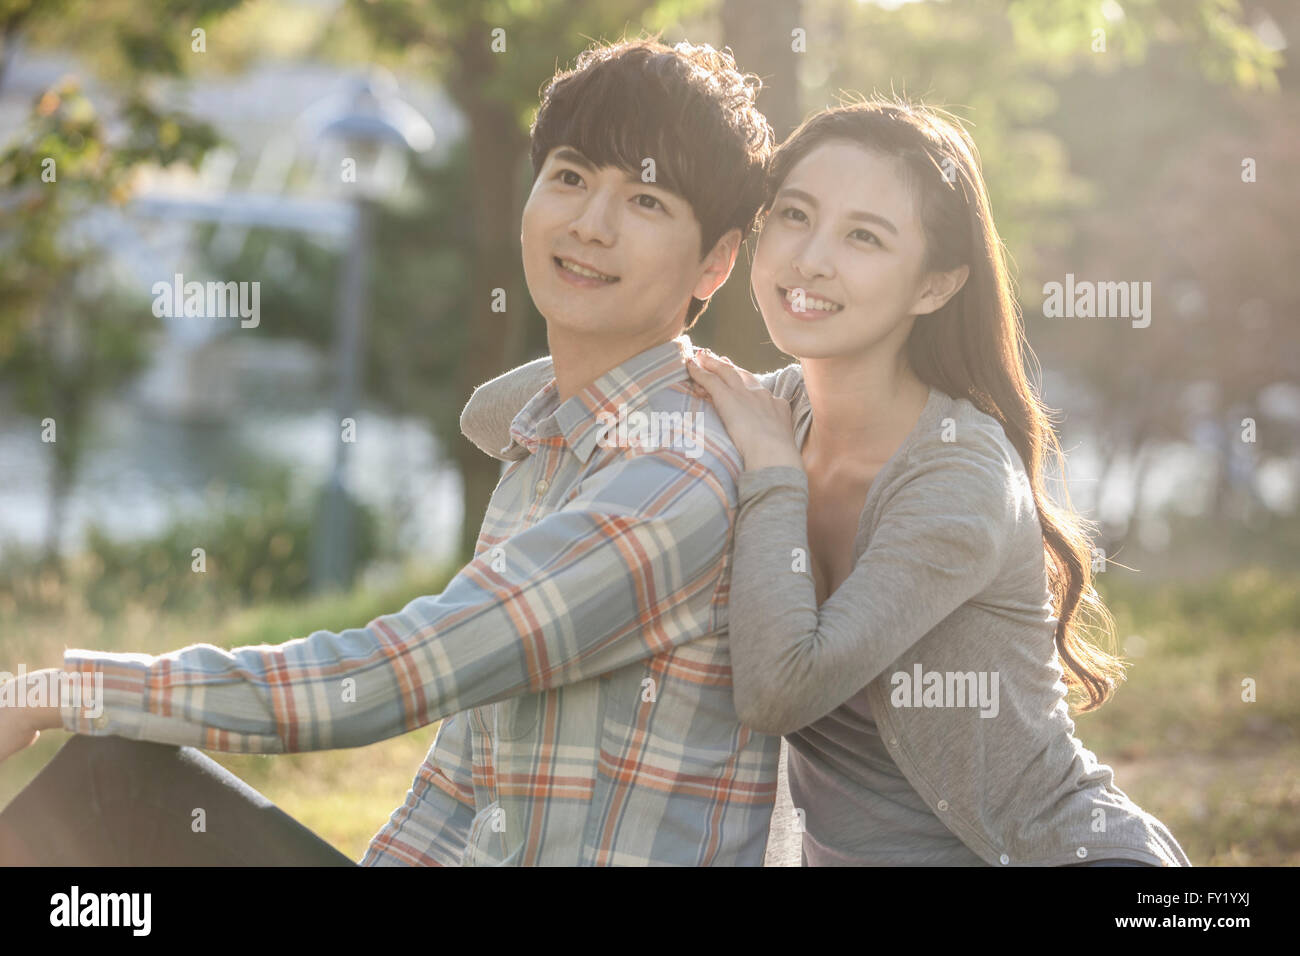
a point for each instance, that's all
(675, 429)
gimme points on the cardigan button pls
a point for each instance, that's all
(1081, 852)
(1004, 859)
(943, 804)
(893, 741)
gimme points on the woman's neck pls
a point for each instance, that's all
(863, 407)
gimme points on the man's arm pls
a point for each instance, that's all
(588, 589)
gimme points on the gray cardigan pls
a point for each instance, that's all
(948, 598)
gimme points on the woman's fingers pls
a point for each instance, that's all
(721, 369)
(740, 377)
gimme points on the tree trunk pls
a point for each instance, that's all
(758, 32)
(498, 145)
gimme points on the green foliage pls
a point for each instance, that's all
(253, 552)
(67, 333)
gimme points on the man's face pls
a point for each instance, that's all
(641, 236)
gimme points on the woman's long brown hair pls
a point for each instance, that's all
(974, 347)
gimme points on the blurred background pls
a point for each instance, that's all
(343, 181)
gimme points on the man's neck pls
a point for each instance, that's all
(579, 360)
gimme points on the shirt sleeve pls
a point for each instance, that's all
(624, 571)
(941, 539)
(491, 408)
(431, 828)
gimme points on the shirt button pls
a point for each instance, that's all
(943, 804)
(101, 721)
(542, 486)
(1004, 859)
(1081, 852)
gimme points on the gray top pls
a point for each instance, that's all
(923, 701)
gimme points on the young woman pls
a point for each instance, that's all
(907, 605)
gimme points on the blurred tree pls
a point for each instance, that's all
(67, 334)
(1196, 199)
(761, 35)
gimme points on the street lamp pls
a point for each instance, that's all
(365, 135)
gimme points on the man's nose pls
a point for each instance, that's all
(596, 221)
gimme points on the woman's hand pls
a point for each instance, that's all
(760, 425)
(17, 728)
(20, 723)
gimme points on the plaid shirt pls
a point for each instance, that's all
(579, 662)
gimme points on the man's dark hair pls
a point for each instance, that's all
(687, 107)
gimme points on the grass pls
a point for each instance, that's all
(1222, 772)
(1219, 771)
(344, 796)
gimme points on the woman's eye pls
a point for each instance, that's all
(785, 214)
(870, 236)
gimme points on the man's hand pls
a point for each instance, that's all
(20, 726)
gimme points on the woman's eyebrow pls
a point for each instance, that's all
(856, 214)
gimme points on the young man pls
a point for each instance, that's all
(579, 663)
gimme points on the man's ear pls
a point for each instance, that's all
(718, 264)
(938, 288)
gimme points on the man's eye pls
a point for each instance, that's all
(652, 199)
(568, 172)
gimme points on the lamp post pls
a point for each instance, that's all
(367, 133)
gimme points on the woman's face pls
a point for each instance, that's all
(843, 228)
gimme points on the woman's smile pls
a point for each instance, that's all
(814, 307)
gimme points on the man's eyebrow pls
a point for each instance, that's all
(855, 214)
(568, 155)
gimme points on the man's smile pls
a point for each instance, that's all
(572, 269)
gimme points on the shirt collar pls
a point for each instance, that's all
(581, 421)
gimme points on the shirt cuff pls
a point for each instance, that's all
(114, 693)
(754, 482)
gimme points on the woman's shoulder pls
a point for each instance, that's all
(955, 429)
(784, 382)
(966, 451)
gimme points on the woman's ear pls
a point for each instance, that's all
(938, 288)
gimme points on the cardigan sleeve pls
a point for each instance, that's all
(941, 536)
(491, 408)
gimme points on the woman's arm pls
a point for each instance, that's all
(487, 415)
(940, 541)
